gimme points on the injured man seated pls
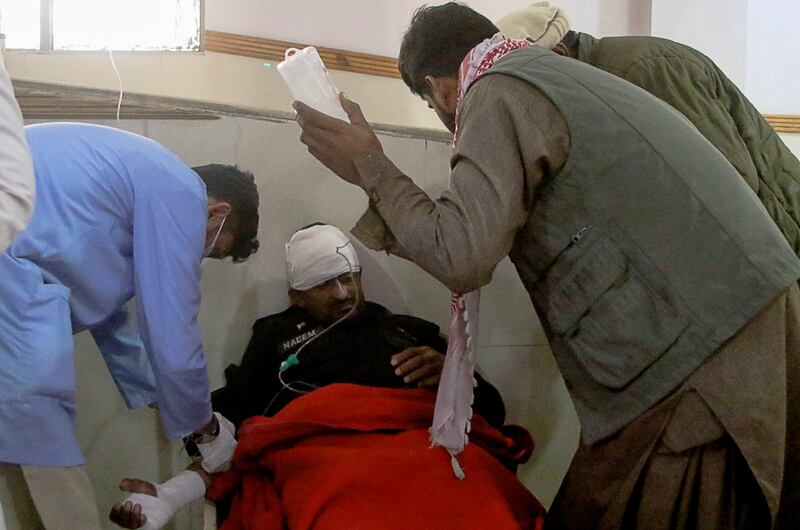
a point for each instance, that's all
(332, 406)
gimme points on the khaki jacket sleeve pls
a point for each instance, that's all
(17, 185)
(511, 138)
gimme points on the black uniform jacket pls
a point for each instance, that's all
(357, 350)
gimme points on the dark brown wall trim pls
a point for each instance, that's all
(42, 101)
(273, 50)
(51, 101)
(784, 122)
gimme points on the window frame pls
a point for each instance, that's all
(46, 33)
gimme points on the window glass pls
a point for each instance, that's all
(19, 20)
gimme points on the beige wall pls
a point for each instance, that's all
(377, 26)
(753, 41)
(214, 77)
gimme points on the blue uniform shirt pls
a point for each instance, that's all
(117, 217)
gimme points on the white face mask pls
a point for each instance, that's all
(210, 248)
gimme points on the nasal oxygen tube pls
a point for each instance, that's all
(293, 359)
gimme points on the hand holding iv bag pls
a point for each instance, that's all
(309, 82)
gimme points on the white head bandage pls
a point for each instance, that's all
(317, 254)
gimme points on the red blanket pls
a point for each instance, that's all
(354, 457)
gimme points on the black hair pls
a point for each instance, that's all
(238, 188)
(437, 40)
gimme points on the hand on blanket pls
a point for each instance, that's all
(419, 365)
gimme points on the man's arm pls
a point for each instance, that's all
(168, 237)
(511, 139)
(17, 184)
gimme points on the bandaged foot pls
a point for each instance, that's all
(171, 497)
(218, 452)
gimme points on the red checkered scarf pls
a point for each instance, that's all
(478, 61)
(451, 418)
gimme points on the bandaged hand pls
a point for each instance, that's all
(151, 506)
(218, 452)
(420, 365)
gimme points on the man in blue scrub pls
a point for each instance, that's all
(117, 216)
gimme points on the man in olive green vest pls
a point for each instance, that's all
(668, 295)
(696, 87)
